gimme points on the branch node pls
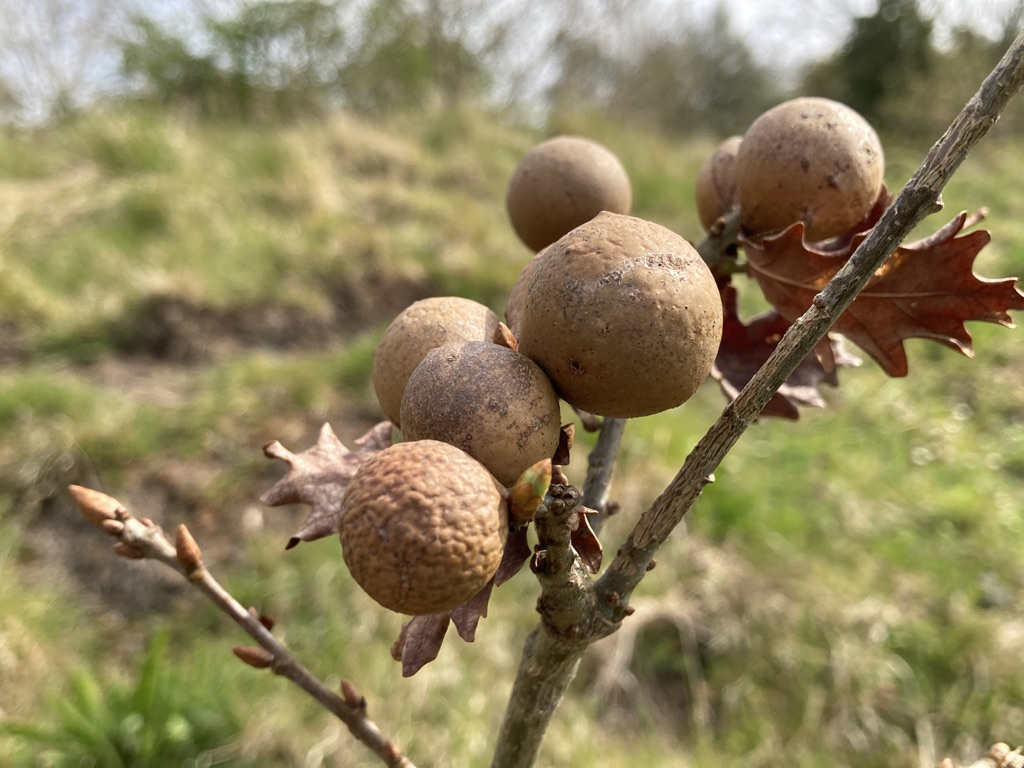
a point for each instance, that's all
(130, 551)
(113, 527)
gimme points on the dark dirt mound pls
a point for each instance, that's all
(12, 343)
(173, 328)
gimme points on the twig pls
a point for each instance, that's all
(144, 539)
(570, 621)
(547, 656)
(600, 465)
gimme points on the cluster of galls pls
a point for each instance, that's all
(615, 315)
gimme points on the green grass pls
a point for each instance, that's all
(846, 592)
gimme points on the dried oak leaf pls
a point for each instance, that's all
(319, 476)
(745, 348)
(419, 641)
(517, 552)
(421, 637)
(926, 289)
(585, 542)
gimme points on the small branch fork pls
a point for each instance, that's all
(142, 538)
(553, 650)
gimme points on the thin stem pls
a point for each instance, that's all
(143, 539)
(600, 467)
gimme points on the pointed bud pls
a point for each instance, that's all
(504, 336)
(266, 621)
(527, 494)
(254, 655)
(96, 506)
(190, 557)
(351, 696)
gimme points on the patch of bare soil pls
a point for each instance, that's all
(175, 329)
(12, 343)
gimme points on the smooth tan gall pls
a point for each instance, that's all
(423, 527)
(812, 160)
(418, 329)
(562, 183)
(623, 316)
(495, 404)
(716, 183)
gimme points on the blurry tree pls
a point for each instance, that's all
(587, 73)
(408, 53)
(683, 77)
(10, 102)
(161, 67)
(882, 54)
(917, 113)
(284, 57)
(702, 79)
(289, 48)
(54, 54)
(890, 71)
(274, 57)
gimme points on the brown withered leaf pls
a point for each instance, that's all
(586, 543)
(421, 637)
(467, 616)
(745, 348)
(517, 552)
(419, 641)
(927, 289)
(319, 476)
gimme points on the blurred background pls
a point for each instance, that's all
(710, 65)
(210, 212)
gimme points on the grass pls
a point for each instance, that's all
(846, 591)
